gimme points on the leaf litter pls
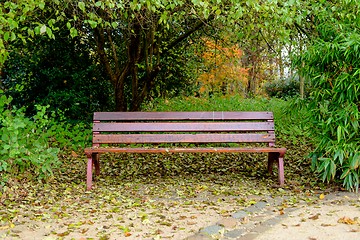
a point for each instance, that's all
(144, 196)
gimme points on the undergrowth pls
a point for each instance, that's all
(30, 146)
(61, 140)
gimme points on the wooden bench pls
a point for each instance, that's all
(205, 130)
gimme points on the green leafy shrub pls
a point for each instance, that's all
(283, 88)
(67, 135)
(332, 63)
(24, 142)
(60, 73)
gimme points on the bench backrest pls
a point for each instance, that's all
(183, 127)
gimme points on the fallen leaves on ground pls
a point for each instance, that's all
(142, 196)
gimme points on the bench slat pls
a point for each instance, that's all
(185, 150)
(184, 127)
(185, 116)
(182, 138)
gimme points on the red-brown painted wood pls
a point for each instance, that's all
(185, 150)
(184, 116)
(183, 127)
(183, 138)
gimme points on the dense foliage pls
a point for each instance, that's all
(60, 73)
(332, 63)
(285, 88)
(31, 146)
(24, 142)
(134, 40)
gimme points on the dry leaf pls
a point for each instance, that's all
(191, 223)
(244, 220)
(83, 231)
(322, 196)
(315, 217)
(347, 220)
(326, 225)
(74, 154)
(158, 232)
(284, 225)
(63, 234)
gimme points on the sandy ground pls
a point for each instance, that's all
(329, 220)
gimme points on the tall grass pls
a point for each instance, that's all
(217, 103)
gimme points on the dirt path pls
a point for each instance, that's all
(330, 216)
(330, 222)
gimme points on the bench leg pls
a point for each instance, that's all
(89, 172)
(272, 157)
(93, 161)
(96, 158)
(281, 170)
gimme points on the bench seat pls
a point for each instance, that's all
(282, 151)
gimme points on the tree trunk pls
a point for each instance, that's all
(301, 77)
(250, 61)
(120, 100)
(281, 66)
(302, 83)
(141, 50)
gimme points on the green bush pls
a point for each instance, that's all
(60, 73)
(31, 145)
(24, 142)
(332, 63)
(215, 103)
(67, 135)
(283, 88)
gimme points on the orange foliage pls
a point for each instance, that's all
(223, 72)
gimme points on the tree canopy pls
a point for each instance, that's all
(133, 39)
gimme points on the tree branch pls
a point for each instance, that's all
(100, 42)
(301, 30)
(182, 37)
(113, 49)
(267, 43)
